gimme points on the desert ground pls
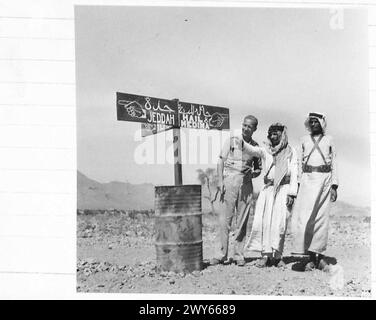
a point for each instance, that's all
(116, 253)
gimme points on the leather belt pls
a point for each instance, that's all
(270, 182)
(323, 168)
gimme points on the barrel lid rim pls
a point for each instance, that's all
(179, 186)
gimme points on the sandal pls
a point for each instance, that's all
(310, 266)
(215, 261)
(279, 263)
(240, 263)
(263, 262)
(323, 265)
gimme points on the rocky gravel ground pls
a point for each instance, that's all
(116, 253)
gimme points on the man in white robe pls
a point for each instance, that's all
(318, 189)
(275, 200)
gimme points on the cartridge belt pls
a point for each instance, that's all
(323, 168)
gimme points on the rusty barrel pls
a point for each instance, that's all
(178, 228)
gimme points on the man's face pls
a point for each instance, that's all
(315, 126)
(248, 128)
(275, 137)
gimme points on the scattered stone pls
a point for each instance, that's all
(107, 233)
(87, 272)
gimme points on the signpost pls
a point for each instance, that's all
(177, 208)
(157, 115)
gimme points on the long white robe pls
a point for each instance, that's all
(271, 213)
(310, 219)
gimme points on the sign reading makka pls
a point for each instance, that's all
(148, 129)
(170, 113)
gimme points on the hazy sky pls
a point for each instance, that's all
(277, 64)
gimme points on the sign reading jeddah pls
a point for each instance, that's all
(143, 109)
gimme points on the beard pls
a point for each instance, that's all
(316, 130)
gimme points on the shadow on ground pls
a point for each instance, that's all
(301, 262)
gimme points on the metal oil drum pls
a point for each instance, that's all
(178, 228)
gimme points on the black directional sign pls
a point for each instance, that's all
(199, 116)
(131, 107)
(170, 113)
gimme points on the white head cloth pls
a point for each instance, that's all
(320, 117)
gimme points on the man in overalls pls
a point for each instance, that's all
(318, 188)
(236, 169)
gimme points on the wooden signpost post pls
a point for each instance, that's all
(157, 115)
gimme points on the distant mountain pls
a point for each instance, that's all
(346, 209)
(92, 194)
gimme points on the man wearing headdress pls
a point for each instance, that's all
(276, 199)
(318, 188)
(236, 169)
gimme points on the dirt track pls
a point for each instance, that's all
(116, 254)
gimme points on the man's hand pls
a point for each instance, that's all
(221, 187)
(290, 201)
(333, 193)
(255, 173)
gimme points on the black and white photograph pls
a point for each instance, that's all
(223, 150)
